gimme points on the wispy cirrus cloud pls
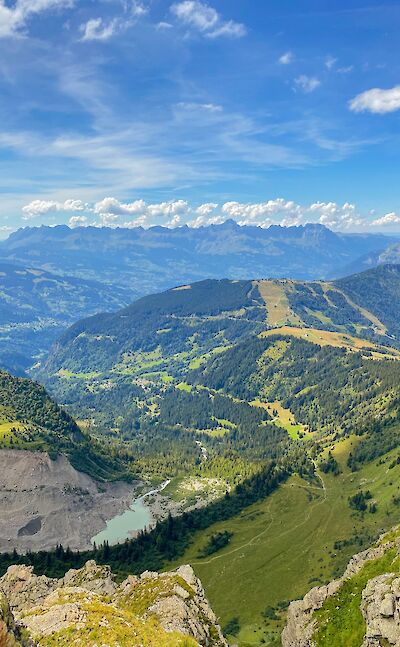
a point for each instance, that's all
(102, 29)
(377, 101)
(206, 20)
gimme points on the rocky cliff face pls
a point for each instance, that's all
(361, 609)
(87, 608)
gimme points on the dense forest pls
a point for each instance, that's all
(30, 419)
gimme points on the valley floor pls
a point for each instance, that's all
(285, 545)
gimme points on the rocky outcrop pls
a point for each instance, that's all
(381, 610)
(88, 608)
(8, 632)
(380, 606)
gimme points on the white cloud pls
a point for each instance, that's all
(163, 25)
(138, 9)
(388, 220)
(286, 58)
(117, 208)
(377, 101)
(98, 29)
(205, 19)
(168, 209)
(102, 30)
(260, 212)
(14, 19)
(38, 208)
(337, 216)
(330, 62)
(77, 221)
(206, 209)
(307, 83)
(109, 209)
(111, 212)
(174, 222)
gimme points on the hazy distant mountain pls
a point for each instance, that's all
(36, 306)
(391, 254)
(141, 261)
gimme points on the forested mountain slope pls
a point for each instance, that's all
(31, 420)
(233, 366)
(36, 306)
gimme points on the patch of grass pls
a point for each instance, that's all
(283, 418)
(284, 545)
(340, 621)
(335, 339)
(68, 375)
(198, 361)
(184, 386)
(279, 312)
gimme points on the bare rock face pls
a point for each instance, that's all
(87, 608)
(381, 610)
(380, 605)
(9, 635)
(44, 502)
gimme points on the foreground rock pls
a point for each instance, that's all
(45, 502)
(87, 608)
(376, 615)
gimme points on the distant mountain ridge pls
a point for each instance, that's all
(36, 306)
(143, 261)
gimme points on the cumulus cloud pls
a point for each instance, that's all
(14, 19)
(38, 208)
(206, 20)
(246, 213)
(206, 209)
(377, 101)
(286, 58)
(78, 221)
(111, 212)
(307, 84)
(337, 216)
(116, 208)
(388, 220)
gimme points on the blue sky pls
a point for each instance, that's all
(124, 112)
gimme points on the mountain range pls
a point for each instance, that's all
(53, 276)
(143, 261)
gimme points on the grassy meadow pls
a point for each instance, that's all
(285, 545)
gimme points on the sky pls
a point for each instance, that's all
(161, 112)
